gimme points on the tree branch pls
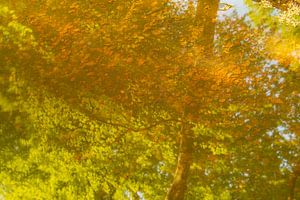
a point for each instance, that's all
(280, 4)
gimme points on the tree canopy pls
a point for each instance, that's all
(149, 99)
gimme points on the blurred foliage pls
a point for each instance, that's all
(94, 96)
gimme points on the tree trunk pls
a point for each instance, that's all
(206, 18)
(293, 181)
(185, 158)
(292, 186)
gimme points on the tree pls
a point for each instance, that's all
(113, 91)
(284, 26)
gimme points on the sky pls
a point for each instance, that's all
(239, 5)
